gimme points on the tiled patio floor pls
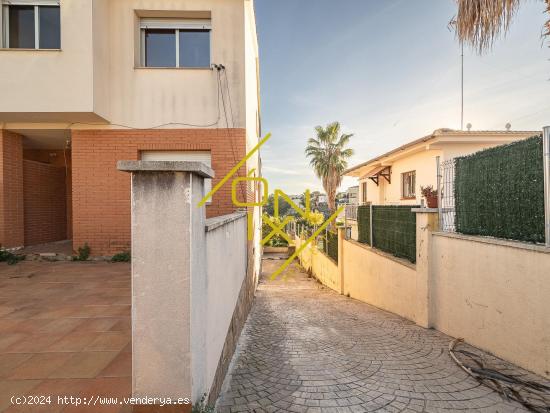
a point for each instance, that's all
(64, 330)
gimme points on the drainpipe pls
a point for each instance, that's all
(546, 163)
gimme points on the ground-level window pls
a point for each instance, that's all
(175, 43)
(193, 156)
(408, 184)
(363, 193)
(31, 24)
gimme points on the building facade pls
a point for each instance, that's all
(86, 83)
(396, 177)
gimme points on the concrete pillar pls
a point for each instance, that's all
(341, 260)
(427, 221)
(12, 230)
(168, 279)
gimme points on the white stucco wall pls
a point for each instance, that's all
(51, 81)
(226, 257)
(96, 73)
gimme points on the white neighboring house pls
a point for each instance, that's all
(395, 177)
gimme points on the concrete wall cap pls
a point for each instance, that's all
(217, 222)
(198, 168)
(421, 210)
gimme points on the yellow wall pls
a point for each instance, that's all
(493, 293)
(495, 296)
(322, 267)
(375, 278)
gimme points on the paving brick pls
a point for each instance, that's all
(309, 349)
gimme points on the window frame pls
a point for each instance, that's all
(5, 21)
(363, 193)
(411, 185)
(177, 25)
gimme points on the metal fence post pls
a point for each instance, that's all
(371, 225)
(439, 193)
(546, 163)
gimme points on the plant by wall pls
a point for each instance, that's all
(9, 257)
(122, 257)
(499, 192)
(83, 253)
(276, 240)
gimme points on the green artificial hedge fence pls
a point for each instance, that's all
(331, 246)
(363, 223)
(499, 192)
(394, 230)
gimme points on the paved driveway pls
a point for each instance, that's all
(307, 349)
(64, 330)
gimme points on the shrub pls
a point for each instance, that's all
(122, 257)
(9, 257)
(201, 407)
(83, 253)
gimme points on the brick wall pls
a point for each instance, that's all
(101, 194)
(60, 158)
(11, 190)
(45, 202)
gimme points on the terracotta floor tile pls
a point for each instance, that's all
(8, 362)
(122, 325)
(96, 324)
(112, 341)
(84, 365)
(121, 366)
(39, 366)
(14, 388)
(7, 339)
(34, 343)
(62, 325)
(106, 388)
(75, 341)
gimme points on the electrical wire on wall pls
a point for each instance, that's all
(221, 68)
(220, 103)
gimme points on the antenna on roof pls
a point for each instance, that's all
(508, 126)
(461, 86)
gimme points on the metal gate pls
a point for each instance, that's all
(446, 192)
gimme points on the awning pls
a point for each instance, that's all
(376, 173)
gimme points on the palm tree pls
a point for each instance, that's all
(328, 156)
(480, 22)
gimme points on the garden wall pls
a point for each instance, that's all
(321, 266)
(495, 294)
(377, 278)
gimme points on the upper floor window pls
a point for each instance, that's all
(31, 24)
(175, 42)
(408, 185)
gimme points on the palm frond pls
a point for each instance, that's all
(480, 22)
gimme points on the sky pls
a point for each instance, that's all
(389, 72)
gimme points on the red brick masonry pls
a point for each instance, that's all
(44, 189)
(101, 194)
(11, 190)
